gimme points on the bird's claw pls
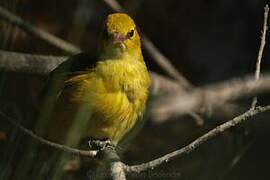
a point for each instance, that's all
(100, 144)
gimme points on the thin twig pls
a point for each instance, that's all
(114, 5)
(45, 36)
(165, 63)
(260, 54)
(195, 144)
(46, 142)
(198, 120)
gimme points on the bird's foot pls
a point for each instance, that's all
(100, 144)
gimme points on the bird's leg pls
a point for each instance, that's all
(106, 149)
(100, 144)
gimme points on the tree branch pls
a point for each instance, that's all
(195, 144)
(43, 35)
(46, 142)
(116, 166)
(118, 171)
(259, 58)
(28, 63)
(209, 96)
(114, 5)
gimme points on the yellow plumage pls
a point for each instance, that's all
(104, 100)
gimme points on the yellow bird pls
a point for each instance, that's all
(104, 99)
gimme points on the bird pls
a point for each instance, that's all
(101, 97)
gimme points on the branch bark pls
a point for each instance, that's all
(118, 171)
(43, 35)
(260, 54)
(210, 96)
(28, 63)
(47, 142)
(198, 142)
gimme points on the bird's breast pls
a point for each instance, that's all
(116, 94)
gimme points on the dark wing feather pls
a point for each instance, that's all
(72, 66)
(56, 82)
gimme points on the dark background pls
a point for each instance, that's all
(207, 40)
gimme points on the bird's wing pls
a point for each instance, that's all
(72, 66)
(56, 85)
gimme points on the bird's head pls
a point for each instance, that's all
(120, 36)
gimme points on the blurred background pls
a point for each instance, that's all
(207, 41)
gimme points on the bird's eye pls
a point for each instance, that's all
(130, 34)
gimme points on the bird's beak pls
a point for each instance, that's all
(118, 38)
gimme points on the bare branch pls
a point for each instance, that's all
(198, 120)
(165, 63)
(116, 167)
(117, 171)
(195, 144)
(259, 58)
(46, 142)
(28, 63)
(114, 5)
(45, 36)
(163, 85)
(209, 96)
